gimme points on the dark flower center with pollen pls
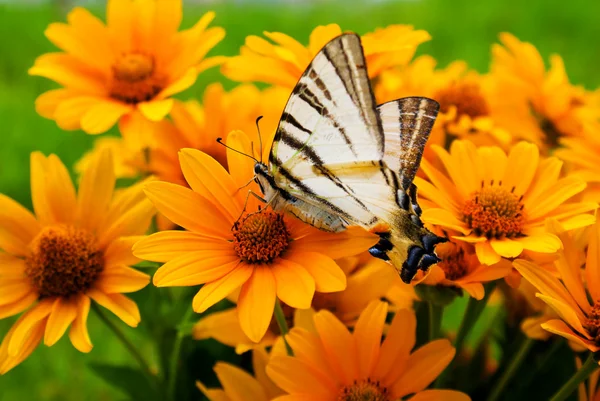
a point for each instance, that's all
(494, 212)
(454, 263)
(592, 323)
(260, 237)
(64, 261)
(135, 79)
(364, 390)
(466, 97)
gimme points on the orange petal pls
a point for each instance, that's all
(475, 290)
(295, 286)
(180, 205)
(118, 304)
(240, 167)
(187, 80)
(444, 218)
(440, 395)
(367, 333)
(11, 290)
(257, 302)
(328, 276)
(69, 112)
(70, 73)
(213, 292)
(223, 326)
(506, 248)
(486, 254)
(543, 242)
(194, 268)
(400, 339)
(554, 196)
(238, 384)
(95, 190)
(47, 102)
(425, 364)
(78, 334)
(340, 346)
(566, 313)
(155, 110)
(32, 338)
(103, 115)
(120, 252)
(121, 279)
(523, 161)
(27, 323)
(560, 328)
(167, 245)
(308, 348)
(18, 306)
(63, 313)
(592, 262)
(352, 241)
(133, 221)
(297, 377)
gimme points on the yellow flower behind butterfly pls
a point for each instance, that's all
(125, 71)
(75, 250)
(500, 202)
(334, 364)
(283, 61)
(229, 246)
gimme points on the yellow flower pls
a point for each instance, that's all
(500, 202)
(267, 254)
(283, 61)
(560, 108)
(469, 103)
(578, 310)
(336, 364)
(123, 71)
(239, 385)
(367, 279)
(460, 267)
(76, 248)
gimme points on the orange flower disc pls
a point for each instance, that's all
(135, 79)
(364, 390)
(592, 323)
(260, 237)
(466, 97)
(64, 261)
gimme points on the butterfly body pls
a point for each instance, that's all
(338, 160)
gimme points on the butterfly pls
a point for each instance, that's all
(337, 159)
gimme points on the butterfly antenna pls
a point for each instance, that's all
(220, 141)
(259, 137)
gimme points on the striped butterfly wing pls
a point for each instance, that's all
(329, 142)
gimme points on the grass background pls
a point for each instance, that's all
(461, 29)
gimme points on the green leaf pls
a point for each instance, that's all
(131, 381)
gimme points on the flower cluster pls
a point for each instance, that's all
(510, 177)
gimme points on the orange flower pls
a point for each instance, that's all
(284, 62)
(126, 70)
(500, 202)
(336, 364)
(265, 253)
(578, 309)
(76, 249)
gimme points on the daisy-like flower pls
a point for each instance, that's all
(239, 385)
(123, 71)
(269, 255)
(76, 249)
(367, 279)
(460, 268)
(558, 107)
(335, 364)
(499, 202)
(283, 61)
(577, 303)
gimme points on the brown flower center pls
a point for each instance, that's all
(260, 237)
(592, 323)
(64, 261)
(494, 212)
(364, 390)
(135, 79)
(454, 263)
(465, 96)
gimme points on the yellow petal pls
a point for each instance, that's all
(27, 323)
(367, 333)
(118, 304)
(486, 254)
(560, 328)
(156, 110)
(121, 279)
(18, 227)
(194, 268)
(295, 286)
(120, 252)
(238, 384)
(543, 242)
(297, 377)
(400, 339)
(63, 313)
(95, 190)
(78, 334)
(506, 247)
(167, 245)
(328, 276)
(566, 313)
(213, 292)
(351, 241)
(257, 302)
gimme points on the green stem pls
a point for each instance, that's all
(133, 350)
(283, 327)
(436, 312)
(511, 369)
(569, 387)
(175, 353)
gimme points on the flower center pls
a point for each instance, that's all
(592, 323)
(64, 261)
(260, 237)
(466, 97)
(454, 263)
(494, 212)
(364, 390)
(135, 79)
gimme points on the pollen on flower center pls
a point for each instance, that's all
(135, 78)
(466, 97)
(364, 390)
(592, 323)
(260, 237)
(453, 263)
(494, 212)
(64, 261)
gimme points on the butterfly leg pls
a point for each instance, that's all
(257, 196)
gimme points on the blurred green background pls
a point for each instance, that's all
(461, 29)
